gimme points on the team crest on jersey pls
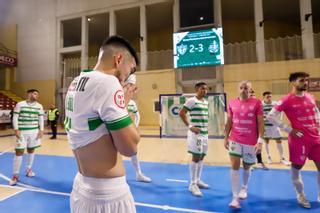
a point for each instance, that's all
(72, 86)
(119, 99)
(250, 114)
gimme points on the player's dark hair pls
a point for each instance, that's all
(294, 76)
(266, 93)
(119, 41)
(32, 90)
(199, 84)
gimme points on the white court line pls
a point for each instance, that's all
(6, 150)
(13, 194)
(175, 180)
(166, 207)
(34, 189)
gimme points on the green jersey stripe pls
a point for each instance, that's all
(199, 109)
(116, 120)
(28, 128)
(94, 123)
(28, 112)
(20, 119)
(119, 123)
(199, 114)
(186, 108)
(199, 120)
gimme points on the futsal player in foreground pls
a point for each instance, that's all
(304, 130)
(100, 130)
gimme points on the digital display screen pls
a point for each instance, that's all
(198, 48)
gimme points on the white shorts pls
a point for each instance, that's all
(246, 152)
(197, 143)
(271, 132)
(28, 140)
(103, 195)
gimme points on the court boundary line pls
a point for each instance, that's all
(11, 195)
(176, 180)
(6, 150)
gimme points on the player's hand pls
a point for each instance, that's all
(40, 134)
(296, 133)
(17, 133)
(195, 130)
(129, 91)
(226, 143)
(257, 148)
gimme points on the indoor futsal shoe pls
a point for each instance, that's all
(30, 173)
(14, 180)
(235, 204)
(243, 194)
(142, 178)
(203, 185)
(302, 200)
(194, 189)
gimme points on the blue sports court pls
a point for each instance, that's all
(269, 191)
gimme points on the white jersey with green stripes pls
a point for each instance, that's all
(199, 115)
(30, 116)
(94, 105)
(132, 107)
(266, 109)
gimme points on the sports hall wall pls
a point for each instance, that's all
(36, 39)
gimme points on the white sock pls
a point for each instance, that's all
(193, 172)
(30, 160)
(268, 150)
(17, 160)
(280, 150)
(246, 177)
(136, 164)
(235, 183)
(199, 170)
(296, 179)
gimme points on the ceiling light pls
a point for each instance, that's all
(201, 18)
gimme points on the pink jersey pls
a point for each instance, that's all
(301, 112)
(244, 120)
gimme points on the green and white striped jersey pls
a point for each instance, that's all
(266, 109)
(28, 116)
(199, 115)
(132, 107)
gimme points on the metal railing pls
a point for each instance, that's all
(276, 49)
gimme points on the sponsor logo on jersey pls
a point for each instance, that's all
(250, 114)
(119, 99)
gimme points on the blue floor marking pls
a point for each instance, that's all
(269, 191)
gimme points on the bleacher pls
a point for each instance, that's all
(8, 100)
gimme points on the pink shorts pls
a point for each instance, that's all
(302, 148)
